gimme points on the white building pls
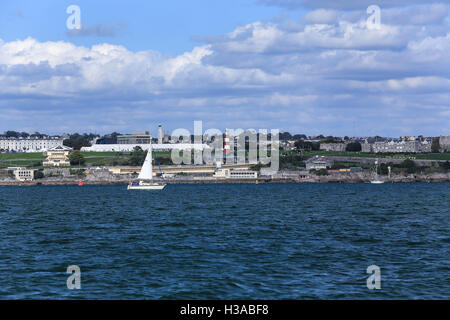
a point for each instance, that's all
(130, 147)
(317, 163)
(235, 174)
(23, 174)
(405, 145)
(57, 157)
(29, 144)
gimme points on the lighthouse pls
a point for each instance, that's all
(226, 144)
(226, 147)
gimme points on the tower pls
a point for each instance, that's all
(226, 145)
(160, 134)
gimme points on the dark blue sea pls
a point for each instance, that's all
(289, 241)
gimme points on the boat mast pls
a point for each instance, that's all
(162, 173)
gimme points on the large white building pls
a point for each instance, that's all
(130, 147)
(405, 145)
(30, 144)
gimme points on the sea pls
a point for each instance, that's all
(230, 241)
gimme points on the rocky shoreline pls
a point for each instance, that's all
(348, 178)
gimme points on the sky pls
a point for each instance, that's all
(303, 66)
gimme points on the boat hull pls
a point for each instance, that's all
(147, 187)
(377, 182)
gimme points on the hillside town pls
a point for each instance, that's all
(117, 158)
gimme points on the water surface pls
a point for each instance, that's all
(288, 241)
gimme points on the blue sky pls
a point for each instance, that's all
(296, 65)
(170, 26)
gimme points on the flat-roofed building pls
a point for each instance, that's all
(235, 174)
(135, 138)
(23, 174)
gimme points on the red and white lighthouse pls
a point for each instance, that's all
(226, 144)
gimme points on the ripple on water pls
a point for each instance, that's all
(305, 241)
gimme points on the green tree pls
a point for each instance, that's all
(307, 145)
(285, 136)
(410, 165)
(299, 136)
(446, 165)
(76, 144)
(137, 157)
(353, 147)
(384, 169)
(76, 158)
(435, 146)
(38, 174)
(12, 134)
(322, 172)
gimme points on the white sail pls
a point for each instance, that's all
(147, 168)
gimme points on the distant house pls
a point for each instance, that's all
(30, 144)
(235, 174)
(318, 162)
(23, 174)
(57, 157)
(135, 138)
(405, 145)
(333, 146)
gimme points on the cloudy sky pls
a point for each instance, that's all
(304, 66)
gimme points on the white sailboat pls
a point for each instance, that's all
(376, 180)
(146, 176)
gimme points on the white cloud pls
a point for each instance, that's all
(344, 4)
(326, 74)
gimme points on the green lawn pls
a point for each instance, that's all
(20, 163)
(94, 159)
(21, 156)
(433, 156)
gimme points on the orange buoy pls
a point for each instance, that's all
(80, 183)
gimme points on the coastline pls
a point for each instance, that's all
(262, 180)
